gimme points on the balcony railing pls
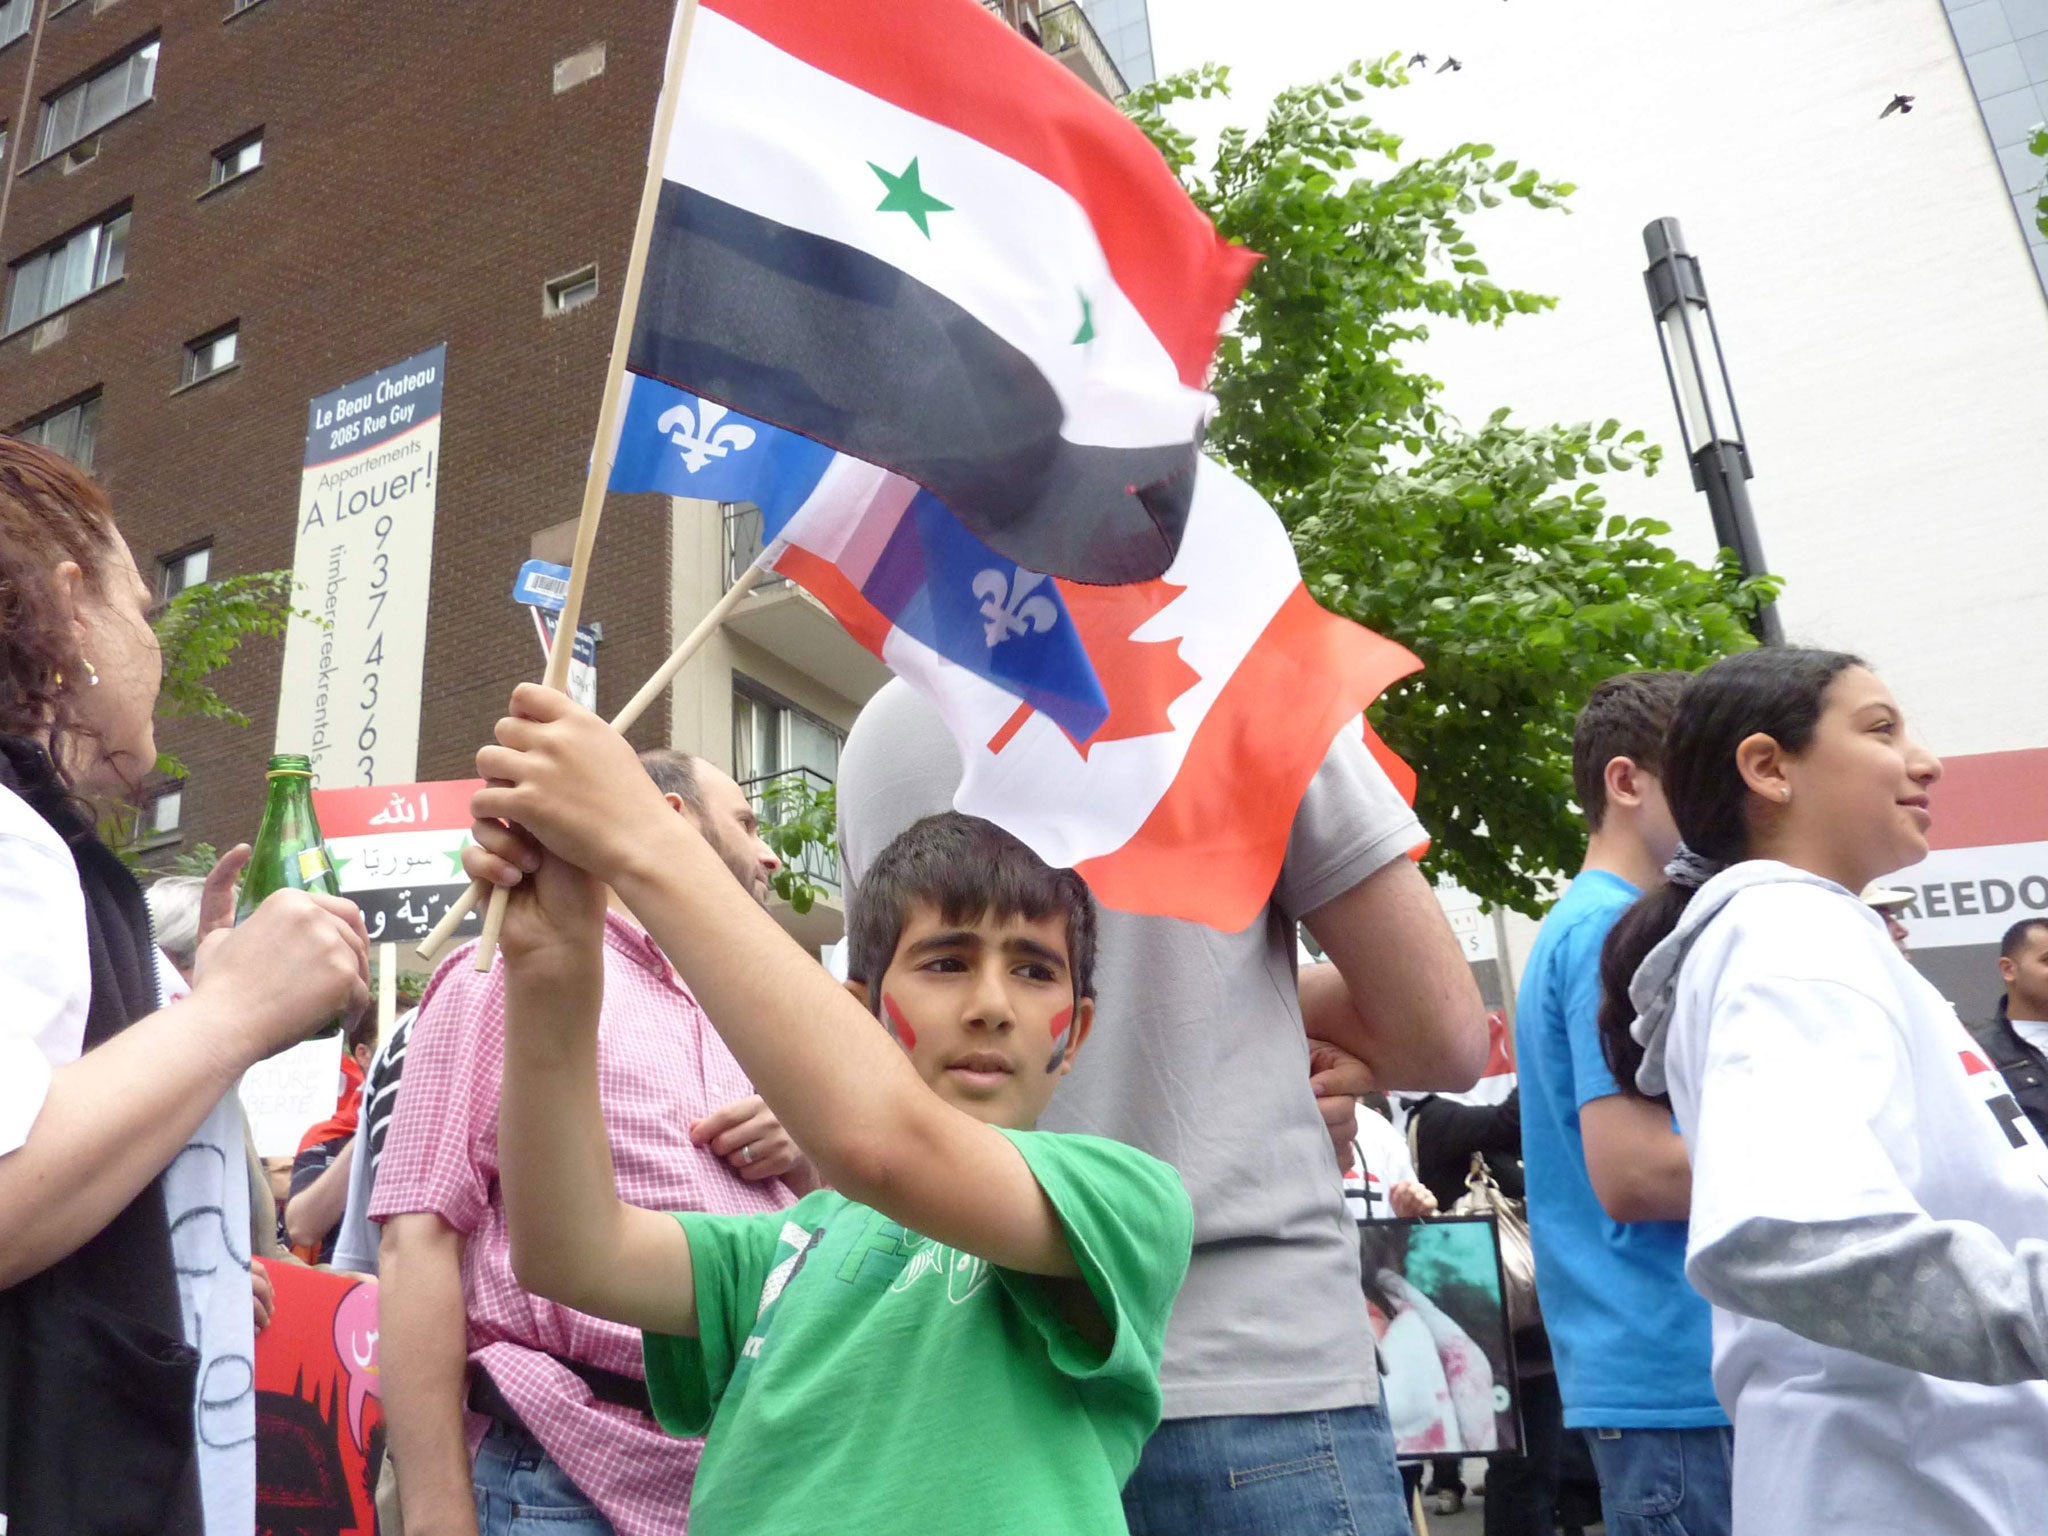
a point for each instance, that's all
(743, 543)
(1018, 15)
(1067, 29)
(818, 863)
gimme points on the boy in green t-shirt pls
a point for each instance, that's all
(963, 1334)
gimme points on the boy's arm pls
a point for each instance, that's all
(574, 1240)
(424, 1365)
(313, 1212)
(1637, 1162)
(1635, 1157)
(840, 1085)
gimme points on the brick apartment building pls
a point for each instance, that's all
(212, 211)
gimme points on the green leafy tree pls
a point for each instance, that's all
(2039, 145)
(198, 632)
(198, 860)
(799, 822)
(1486, 551)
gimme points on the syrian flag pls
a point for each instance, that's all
(1225, 680)
(899, 229)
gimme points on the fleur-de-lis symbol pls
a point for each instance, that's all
(700, 436)
(1013, 610)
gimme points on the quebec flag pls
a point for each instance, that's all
(867, 544)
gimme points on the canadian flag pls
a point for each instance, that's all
(1226, 683)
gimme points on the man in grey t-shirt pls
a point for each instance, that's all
(1272, 1396)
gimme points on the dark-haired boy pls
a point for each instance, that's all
(964, 1335)
(1609, 1185)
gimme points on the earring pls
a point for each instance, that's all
(1784, 796)
(92, 673)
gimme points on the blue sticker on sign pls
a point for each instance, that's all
(542, 585)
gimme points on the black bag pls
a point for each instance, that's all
(97, 1385)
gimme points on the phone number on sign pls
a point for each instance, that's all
(373, 658)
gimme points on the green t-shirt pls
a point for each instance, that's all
(855, 1376)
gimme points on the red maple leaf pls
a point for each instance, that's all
(1140, 678)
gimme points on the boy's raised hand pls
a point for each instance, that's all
(571, 781)
(556, 914)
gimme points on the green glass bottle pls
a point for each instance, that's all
(289, 853)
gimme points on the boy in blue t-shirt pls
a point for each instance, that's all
(1609, 1186)
(962, 1334)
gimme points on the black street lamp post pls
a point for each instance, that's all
(1707, 418)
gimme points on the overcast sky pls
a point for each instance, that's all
(1820, 227)
(1523, 88)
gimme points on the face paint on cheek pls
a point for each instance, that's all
(897, 1022)
(1060, 1021)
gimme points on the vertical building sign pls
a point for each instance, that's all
(350, 694)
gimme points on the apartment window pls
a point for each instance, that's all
(777, 747)
(578, 68)
(14, 19)
(572, 290)
(209, 354)
(187, 568)
(771, 736)
(60, 274)
(70, 429)
(159, 819)
(236, 159)
(93, 103)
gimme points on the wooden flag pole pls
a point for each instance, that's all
(596, 482)
(656, 685)
(387, 990)
(651, 690)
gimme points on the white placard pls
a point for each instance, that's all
(349, 696)
(291, 1093)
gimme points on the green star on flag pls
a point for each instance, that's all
(907, 195)
(454, 856)
(1087, 332)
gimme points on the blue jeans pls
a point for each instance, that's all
(1665, 1482)
(519, 1492)
(1283, 1474)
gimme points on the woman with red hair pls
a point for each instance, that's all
(116, 1382)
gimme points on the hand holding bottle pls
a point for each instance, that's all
(288, 968)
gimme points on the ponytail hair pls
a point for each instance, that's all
(1776, 691)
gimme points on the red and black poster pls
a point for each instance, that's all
(319, 1422)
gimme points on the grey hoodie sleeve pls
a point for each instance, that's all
(1946, 1298)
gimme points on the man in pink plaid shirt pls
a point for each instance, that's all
(501, 1405)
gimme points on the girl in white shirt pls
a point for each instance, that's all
(1870, 1212)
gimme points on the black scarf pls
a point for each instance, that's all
(97, 1384)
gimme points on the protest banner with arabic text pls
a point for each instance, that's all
(397, 852)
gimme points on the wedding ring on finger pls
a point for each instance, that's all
(747, 1153)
